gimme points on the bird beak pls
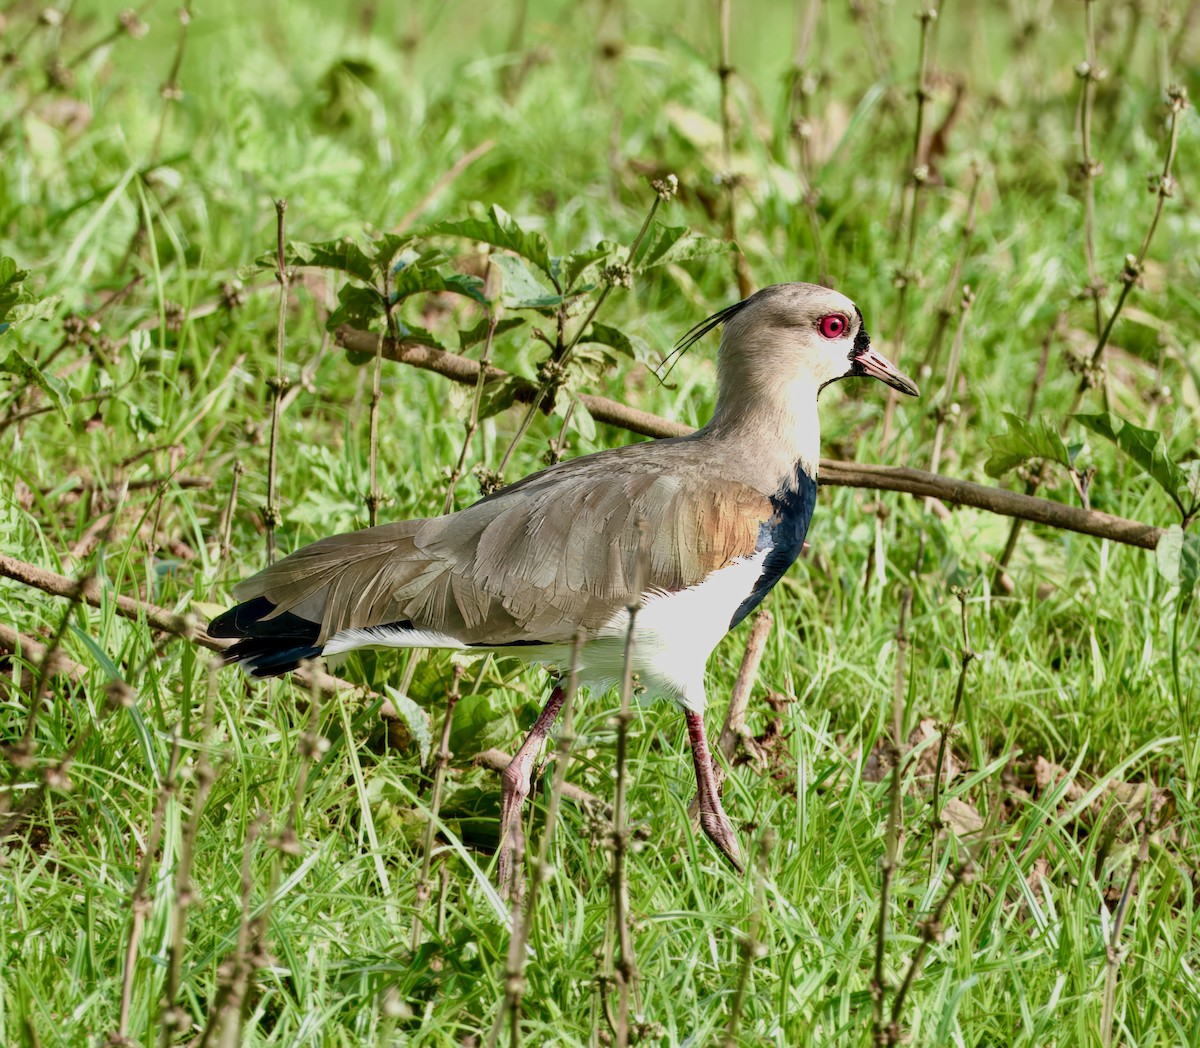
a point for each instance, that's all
(877, 366)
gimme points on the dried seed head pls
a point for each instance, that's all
(129, 22)
(1177, 98)
(665, 187)
(617, 275)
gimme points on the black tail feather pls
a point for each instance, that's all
(266, 647)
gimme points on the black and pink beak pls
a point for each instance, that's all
(867, 362)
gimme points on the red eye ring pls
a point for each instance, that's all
(833, 325)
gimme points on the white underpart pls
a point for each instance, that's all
(674, 635)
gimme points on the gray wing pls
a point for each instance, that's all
(531, 563)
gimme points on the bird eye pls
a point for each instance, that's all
(832, 325)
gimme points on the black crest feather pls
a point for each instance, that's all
(693, 336)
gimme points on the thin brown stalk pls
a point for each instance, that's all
(891, 852)
(230, 509)
(944, 403)
(225, 1018)
(271, 514)
(473, 418)
(170, 91)
(497, 760)
(374, 496)
(435, 804)
(173, 1017)
(664, 189)
(1112, 948)
(739, 700)
(21, 753)
(157, 618)
(749, 947)
(931, 932)
(1089, 74)
(832, 471)
(945, 308)
(876, 48)
(800, 91)
(524, 917)
(33, 651)
(728, 178)
(1163, 187)
(966, 655)
(918, 175)
(626, 965)
(140, 903)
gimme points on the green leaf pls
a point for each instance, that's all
(1177, 557)
(665, 244)
(473, 336)
(498, 396)
(1148, 449)
(343, 255)
(630, 346)
(413, 280)
(501, 230)
(572, 267)
(360, 307)
(582, 421)
(1168, 554)
(522, 288)
(17, 304)
(12, 289)
(387, 247)
(1024, 441)
(25, 370)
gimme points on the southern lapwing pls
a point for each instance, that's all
(527, 569)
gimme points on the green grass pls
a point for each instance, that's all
(354, 120)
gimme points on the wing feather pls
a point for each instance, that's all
(532, 562)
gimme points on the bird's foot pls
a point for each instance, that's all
(720, 831)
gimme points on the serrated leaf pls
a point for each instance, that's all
(387, 247)
(521, 287)
(582, 421)
(1024, 441)
(25, 370)
(477, 334)
(415, 279)
(416, 719)
(141, 420)
(627, 345)
(572, 267)
(665, 244)
(360, 307)
(1148, 449)
(343, 255)
(1168, 554)
(498, 396)
(501, 230)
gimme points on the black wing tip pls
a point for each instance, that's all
(263, 657)
(266, 647)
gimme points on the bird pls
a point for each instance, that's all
(710, 521)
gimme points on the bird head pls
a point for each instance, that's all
(800, 334)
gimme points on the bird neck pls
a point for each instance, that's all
(772, 422)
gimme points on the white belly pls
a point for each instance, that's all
(673, 637)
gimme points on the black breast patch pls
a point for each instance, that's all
(783, 535)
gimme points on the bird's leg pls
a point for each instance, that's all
(713, 819)
(514, 788)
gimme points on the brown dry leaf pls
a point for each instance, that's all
(962, 818)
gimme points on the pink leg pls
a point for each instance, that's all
(713, 819)
(514, 787)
